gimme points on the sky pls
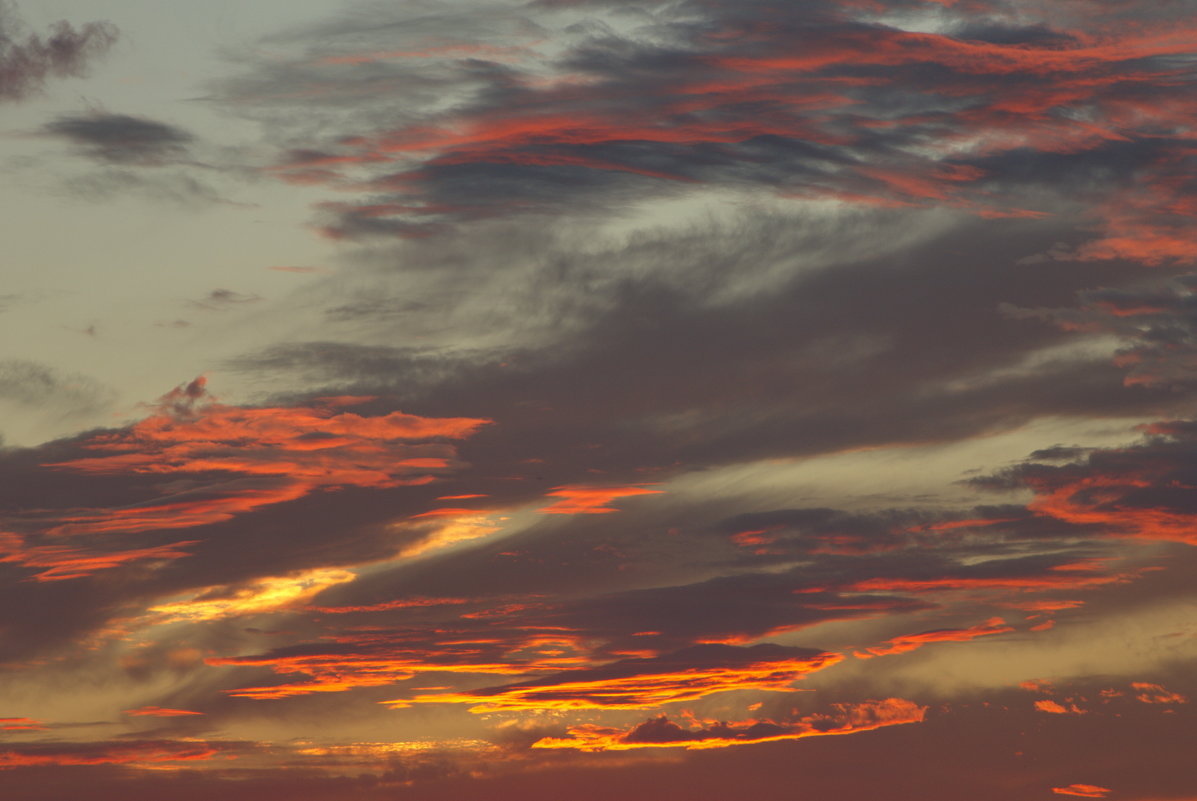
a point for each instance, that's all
(654, 399)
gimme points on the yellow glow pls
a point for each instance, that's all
(386, 749)
(264, 595)
(452, 531)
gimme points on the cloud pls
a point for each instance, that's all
(1083, 790)
(112, 502)
(33, 384)
(589, 500)
(1134, 491)
(20, 724)
(293, 452)
(29, 60)
(222, 299)
(874, 108)
(686, 675)
(1150, 693)
(159, 712)
(138, 752)
(928, 227)
(663, 733)
(911, 642)
(122, 139)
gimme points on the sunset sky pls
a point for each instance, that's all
(686, 400)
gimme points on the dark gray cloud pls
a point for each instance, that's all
(641, 352)
(223, 299)
(40, 386)
(28, 60)
(122, 139)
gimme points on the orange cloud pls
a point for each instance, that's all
(1083, 790)
(134, 753)
(1156, 694)
(663, 733)
(159, 712)
(63, 562)
(21, 724)
(369, 659)
(1054, 708)
(686, 675)
(1097, 500)
(910, 642)
(237, 460)
(261, 595)
(589, 500)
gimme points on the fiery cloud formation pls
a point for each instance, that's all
(910, 642)
(590, 500)
(1083, 790)
(677, 375)
(647, 683)
(133, 753)
(664, 733)
(159, 712)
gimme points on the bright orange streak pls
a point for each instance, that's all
(109, 754)
(338, 672)
(639, 691)
(589, 500)
(63, 562)
(662, 733)
(262, 595)
(159, 712)
(1083, 790)
(1043, 606)
(910, 642)
(21, 724)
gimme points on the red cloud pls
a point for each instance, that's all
(663, 733)
(1058, 709)
(1155, 694)
(910, 642)
(1083, 790)
(369, 659)
(21, 724)
(63, 562)
(647, 683)
(159, 712)
(237, 460)
(134, 753)
(582, 499)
